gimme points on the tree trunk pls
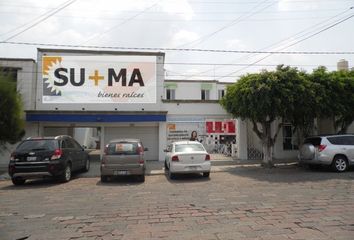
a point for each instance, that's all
(267, 145)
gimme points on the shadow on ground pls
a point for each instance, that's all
(120, 180)
(290, 173)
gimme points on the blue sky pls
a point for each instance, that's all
(208, 24)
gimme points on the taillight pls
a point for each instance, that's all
(207, 157)
(57, 154)
(106, 149)
(321, 147)
(175, 159)
(140, 150)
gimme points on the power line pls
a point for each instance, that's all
(66, 4)
(298, 35)
(301, 40)
(183, 49)
(232, 23)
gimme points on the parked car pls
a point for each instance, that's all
(47, 157)
(123, 157)
(187, 157)
(334, 150)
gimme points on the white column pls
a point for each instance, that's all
(162, 140)
(102, 140)
(241, 139)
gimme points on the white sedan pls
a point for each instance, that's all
(187, 157)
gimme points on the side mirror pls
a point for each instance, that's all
(146, 149)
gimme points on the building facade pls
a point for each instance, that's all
(97, 96)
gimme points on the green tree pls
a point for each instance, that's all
(335, 96)
(265, 97)
(11, 114)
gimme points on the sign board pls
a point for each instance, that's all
(99, 79)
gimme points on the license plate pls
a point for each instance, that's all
(120, 172)
(31, 158)
(193, 168)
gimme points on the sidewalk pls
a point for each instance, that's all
(157, 167)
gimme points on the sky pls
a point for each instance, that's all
(227, 25)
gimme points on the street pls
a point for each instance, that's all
(286, 202)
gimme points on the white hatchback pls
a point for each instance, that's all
(187, 157)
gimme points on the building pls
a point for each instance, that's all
(96, 96)
(117, 95)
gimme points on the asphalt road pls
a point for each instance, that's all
(287, 202)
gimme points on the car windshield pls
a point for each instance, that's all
(189, 148)
(37, 145)
(316, 141)
(119, 148)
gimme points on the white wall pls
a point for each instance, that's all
(26, 76)
(191, 90)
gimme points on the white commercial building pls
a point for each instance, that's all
(111, 95)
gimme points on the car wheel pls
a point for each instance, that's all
(141, 178)
(171, 175)
(104, 179)
(66, 176)
(87, 165)
(206, 174)
(340, 164)
(18, 181)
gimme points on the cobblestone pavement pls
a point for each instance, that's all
(246, 203)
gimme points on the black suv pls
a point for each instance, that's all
(47, 157)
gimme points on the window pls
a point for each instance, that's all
(205, 94)
(221, 93)
(189, 148)
(289, 140)
(170, 94)
(344, 140)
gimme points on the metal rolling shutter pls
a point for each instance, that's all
(148, 135)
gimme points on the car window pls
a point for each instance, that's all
(76, 144)
(119, 148)
(316, 141)
(67, 143)
(189, 147)
(350, 140)
(337, 140)
(37, 145)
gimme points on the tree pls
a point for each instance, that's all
(11, 119)
(265, 97)
(335, 96)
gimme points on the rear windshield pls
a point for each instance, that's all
(316, 141)
(189, 147)
(125, 148)
(37, 145)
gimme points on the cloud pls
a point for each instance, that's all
(182, 37)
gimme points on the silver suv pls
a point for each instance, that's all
(334, 150)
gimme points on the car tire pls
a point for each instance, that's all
(340, 164)
(18, 181)
(87, 165)
(104, 179)
(171, 175)
(206, 174)
(66, 176)
(141, 178)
